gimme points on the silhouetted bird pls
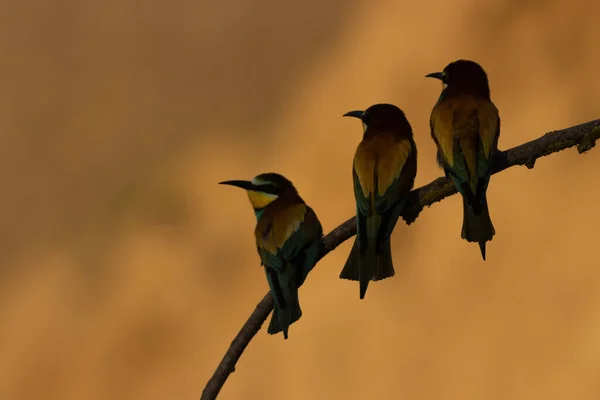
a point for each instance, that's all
(288, 234)
(384, 169)
(465, 126)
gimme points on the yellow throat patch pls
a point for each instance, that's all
(260, 199)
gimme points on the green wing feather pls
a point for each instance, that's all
(394, 199)
(389, 205)
(484, 165)
(287, 270)
(363, 205)
(363, 210)
(299, 252)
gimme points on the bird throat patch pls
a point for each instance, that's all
(260, 199)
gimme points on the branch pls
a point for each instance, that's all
(583, 136)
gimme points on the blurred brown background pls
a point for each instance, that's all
(126, 270)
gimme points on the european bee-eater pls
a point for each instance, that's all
(465, 126)
(384, 169)
(288, 235)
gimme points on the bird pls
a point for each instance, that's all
(288, 236)
(465, 126)
(383, 171)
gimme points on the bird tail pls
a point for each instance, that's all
(361, 266)
(372, 265)
(477, 224)
(367, 266)
(384, 265)
(286, 309)
(350, 270)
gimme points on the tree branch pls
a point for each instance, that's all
(583, 136)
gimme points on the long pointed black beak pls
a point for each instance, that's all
(356, 114)
(436, 75)
(241, 184)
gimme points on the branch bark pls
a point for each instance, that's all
(583, 136)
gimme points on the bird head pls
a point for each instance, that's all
(381, 116)
(264, 189)
(464, 76)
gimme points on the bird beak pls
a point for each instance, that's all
(356, 114)
(436, 75)
(241, 184)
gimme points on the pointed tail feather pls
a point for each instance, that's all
(286, 309)
(370, 266)
(477, 225)
(367, 266)
(285, 315)
(360, 267)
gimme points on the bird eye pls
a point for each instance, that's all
(271, 188)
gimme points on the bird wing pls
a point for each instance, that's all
(363, 175)
(378, 172)
(401, 169)
(489, 133)
(465, 130)
(363, 207)
(441, 124)
(454, 129)
(310, 234)
(384, 172)
(396, 172)
(291, 236)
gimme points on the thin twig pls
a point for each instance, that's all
(583, 136)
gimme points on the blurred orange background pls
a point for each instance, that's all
(126, 270)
